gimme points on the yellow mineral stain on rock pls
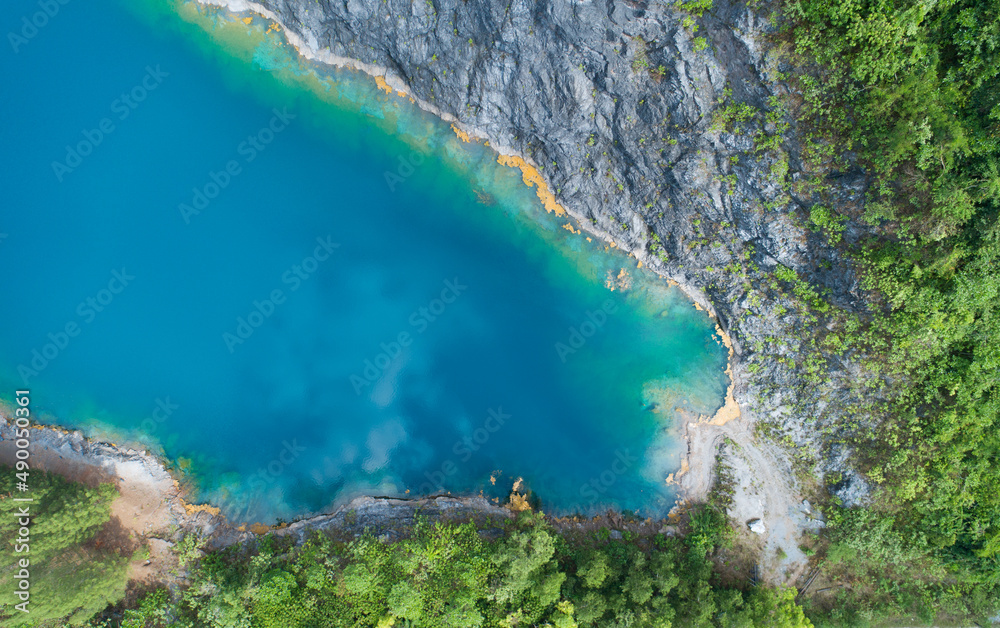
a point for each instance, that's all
(462, 135)
(730, 410)
(639, 265)
(698, 307)
(569, 227)
(588, 239)
(248, 20)
(382, 85)
(194, 508)
(532, 178)
(622, 282)
(259, 528)
(518, 503)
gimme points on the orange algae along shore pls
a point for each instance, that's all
(195, 508)
(529, 174)
(532, 178)
(462, 135)
(382, 85)
(730, 409)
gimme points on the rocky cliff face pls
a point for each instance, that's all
(614, 102)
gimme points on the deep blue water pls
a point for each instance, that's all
(257, 337)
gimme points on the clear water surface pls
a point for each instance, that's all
(301, 289)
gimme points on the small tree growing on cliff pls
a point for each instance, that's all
(695, 7)
(640, 61)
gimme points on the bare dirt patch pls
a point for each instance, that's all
(763, 488)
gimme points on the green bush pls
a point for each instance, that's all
(826, 220)
(695, 7)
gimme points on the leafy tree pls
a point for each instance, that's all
(151, 611)
(448, 575)
(909, 87)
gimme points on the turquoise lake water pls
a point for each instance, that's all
(300, 289)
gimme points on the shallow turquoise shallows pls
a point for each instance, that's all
(301, 289)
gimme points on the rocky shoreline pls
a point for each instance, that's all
(629, 153)
(152, 505)
(637, 158)
(153, 508)
(153, 502)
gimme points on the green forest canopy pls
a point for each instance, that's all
(71, 578)
(911, 86)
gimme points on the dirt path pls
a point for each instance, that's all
(764, 488)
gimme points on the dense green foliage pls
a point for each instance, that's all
(910, 85)
(524, 573)
(71, 578)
